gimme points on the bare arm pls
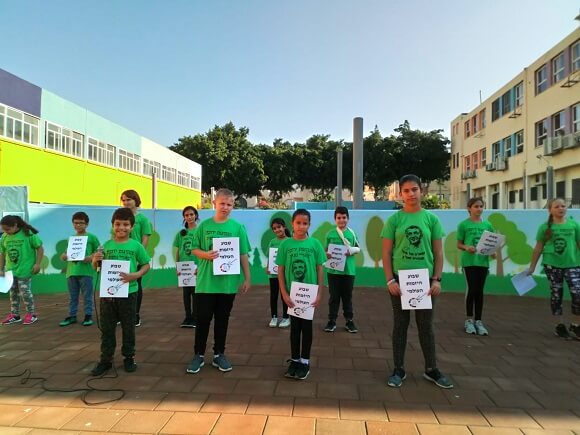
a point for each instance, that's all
(437, 246)
(244, 262)
(393, 287)
(282, 283)
(462, 247)
(536, 256)
(39, 255)
(205, 255)
(145, 240)
(2, 264)
(320, 278)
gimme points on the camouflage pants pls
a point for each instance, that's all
(556, 277)
(21, 288)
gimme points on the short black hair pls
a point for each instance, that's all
(409, 178)
(123, 214)
(341, 210)
(81, 216)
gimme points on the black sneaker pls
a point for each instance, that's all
(330, 326)
(397, 378)
(137, 320)
(438, 378)
(351, 327)
(575, 331)
(302, 371)
(88, 320)
(291, 372)
(129, 364)
(562, 332)
(187, 323)
(101, 368)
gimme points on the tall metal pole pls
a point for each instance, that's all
(338, 197)
(154, 195)
(357, 164)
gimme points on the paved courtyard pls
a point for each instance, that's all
(519, 380)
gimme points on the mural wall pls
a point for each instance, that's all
(519, 227)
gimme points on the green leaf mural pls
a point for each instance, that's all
(154, 240)
(322, 231)
(57, 262)
(359, 259)
(373, 239)
(44, 263)
(257, 270)
(452, 254)
(162, 261)
(269, 234)
(516, 243)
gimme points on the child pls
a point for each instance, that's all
(79, 274)
(300, 259)
(21, 252)
(120, 247)
(412, 240)
(340, 284)
(558, 240)
(141, 233)
(215, 294)
(183, 243)
(475, 266)
(279, 227)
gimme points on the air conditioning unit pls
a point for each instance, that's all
(575, 141)
(501, 164)
(541, 178)
(552, 145)
(490, 166)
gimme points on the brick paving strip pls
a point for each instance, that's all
(521, 380)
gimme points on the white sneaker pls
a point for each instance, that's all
(274, 322)
(284, 323)
(481, 330)
(470, 327)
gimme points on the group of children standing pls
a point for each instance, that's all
(411, 239)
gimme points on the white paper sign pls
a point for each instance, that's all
(111, 284)
(228, 262)
(303, 296)
(523, 282)
(489, 242)
(272, 266)
(77, 247)
(337, 259)
(415, 284)
(6, 281)
(186, 273)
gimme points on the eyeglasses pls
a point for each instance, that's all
(79, 223)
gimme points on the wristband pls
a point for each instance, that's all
(389, 282)
(436, 278)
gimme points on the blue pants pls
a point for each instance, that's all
(76, 286)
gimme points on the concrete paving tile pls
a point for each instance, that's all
(11, 414)
(558, 400)
(15, 396)
(95, 419)
(256, 387)
(337, 391)
(482, 430)
(54, 399)
(556, 419)
(226, 403)
(459, 415)
(229, 424)
(191, 402)
(547, 432)
(380, 392)
(513, 399)
(244, 372)
(390, 428)
(339, 427)
(509, 417)
(217, 385)
(461, 397)
(293, 388)
(442, 429)
(266, 405)
(5, 430)
(318, 408)
(277, 425)
(49, 418)
(362, 410)
(516, 384)
(480, 383)
(425, 392)
(175, 384)
(142, 400)
(143, 421)
(335, 363)
(409, 412)
(186, 423)
(137, 382)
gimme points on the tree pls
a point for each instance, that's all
(280, 168)
(152, 244)
(452, 254)
(57, 262)
(373, 239)
(379, 165)
(162, 261)
(322, 231)
(518, 250)
(44, 263)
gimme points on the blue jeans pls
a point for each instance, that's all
(77, 285)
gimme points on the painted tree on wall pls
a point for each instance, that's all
(154, 240)
(57, 262)
(452, 254)
(518, 250)
(322, 231)
(162, 261)
(373, 239)
(269, 234)
(44, 263)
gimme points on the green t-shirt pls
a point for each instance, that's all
(80, 268)
(19, 252)
(561, 250)
(142, 227)
(275, 243)
(132, 251)
(412, 235)
(300, 259)
(334, 238)
(469, 232)
(206, 231)
(184, 244)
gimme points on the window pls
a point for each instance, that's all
(64, 140)
(129, 161)
(149, 166)
(520, 142)
(507, 146)
(482, 118)
(168, 174)
(558, 68)
(519, 92)
(18, 125)
(576, 118)
(101, 152)
(541, 79)
(182, 179)
(467, 131)
(534, 193)
(560, 189)
(541, 132)
(521, 195)
(506, 103)
(575, 54)
(474, 161)
(482, 157)
(559, 123)
(468, 163)
(495, 110)
(512, 196)
(474, 122)
(195, 183)
(495, 151)
(544, 191)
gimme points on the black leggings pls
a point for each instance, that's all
(210, 305)
(475, 276)
(274, 294)
(300, 328)
(189, 303)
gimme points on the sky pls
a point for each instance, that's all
(284, 69)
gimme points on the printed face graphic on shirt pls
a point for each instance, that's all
(559, 245)
(414, 235)
(187, 245)
(299, 270)
(13, 255)
(414, 250)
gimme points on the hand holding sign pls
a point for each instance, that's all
(303, 296)
(337, 259)
(272, 266)
(489, 243)
(76, 249)
(228, 260)
(113, 284)
(415, 289)
(186, 276)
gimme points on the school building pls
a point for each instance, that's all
(522, 145)
(66, 154)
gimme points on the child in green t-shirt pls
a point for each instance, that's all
(215, 294)
(412, 239)
(79, 274)
(182, 246)
(300, 259)
(341, 283)
(475, 266)
(558, 241)
(112, 310)
(21, 252)
(279, 228)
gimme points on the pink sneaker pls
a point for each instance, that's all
(11, 318)
(29, 319)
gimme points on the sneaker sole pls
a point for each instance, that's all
(289, 376)
(447, 387)
(87, 324)
(284, 326)
(11, 323)
(330, 329)
(221, 369)
(30, 323)
(390, 384)
(273, 326)
(188, 370)
(301, 379)
(352, 331)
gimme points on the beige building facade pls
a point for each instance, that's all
(521, 146)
